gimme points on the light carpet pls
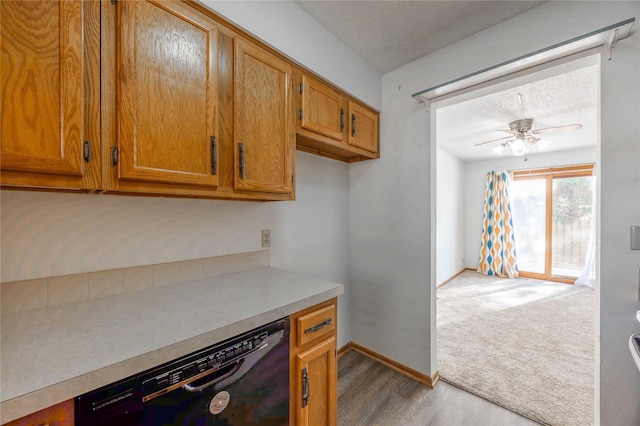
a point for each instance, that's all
(524, 344)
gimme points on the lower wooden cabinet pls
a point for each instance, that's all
(57, 415)
(314, 374)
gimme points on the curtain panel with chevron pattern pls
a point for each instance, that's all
(498, 246)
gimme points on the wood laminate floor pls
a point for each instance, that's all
(370, 393)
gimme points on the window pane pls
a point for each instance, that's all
(529, 220)
(572, 201)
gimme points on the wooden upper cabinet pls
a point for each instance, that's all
(50, 94)
(331, 124)
(322, 109)
(363, 127)
(264, 133)
(167, 76)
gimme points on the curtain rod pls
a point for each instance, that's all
(607, 36)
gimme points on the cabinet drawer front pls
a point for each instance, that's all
(316, 324)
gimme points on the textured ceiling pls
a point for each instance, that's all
(568, 98)
(390, 34)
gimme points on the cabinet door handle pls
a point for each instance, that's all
(214, 155)
(86, 151)
(341, 120)
(241, 159)
(114, 155)
(318, 326)
(305, 387)
(353, 125)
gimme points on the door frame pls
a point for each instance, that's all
(571, 62)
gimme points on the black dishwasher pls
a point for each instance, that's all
(240, 381)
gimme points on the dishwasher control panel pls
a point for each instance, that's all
(201, 364)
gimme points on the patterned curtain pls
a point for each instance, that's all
(498, 247)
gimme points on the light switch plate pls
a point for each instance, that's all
(635, 237)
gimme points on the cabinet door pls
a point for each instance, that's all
(264, 131)
(316, 385)
(322, 109)
(166, 93)
(50, 87)
(58, 415)
(363, 127)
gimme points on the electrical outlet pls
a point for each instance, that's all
(266, 238)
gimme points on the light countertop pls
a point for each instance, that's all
(54, 354)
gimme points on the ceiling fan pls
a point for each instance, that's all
(523, 136)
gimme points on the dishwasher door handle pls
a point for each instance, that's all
(189, 387)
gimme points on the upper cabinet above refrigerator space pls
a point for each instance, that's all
(332, 124)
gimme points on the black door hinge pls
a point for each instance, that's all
(115, 155)
(301, 87)
(86, 151)
(305, 388)
(300, 114)
(214, 155)
(341, 120)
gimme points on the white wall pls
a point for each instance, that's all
(450, 213)
(291, 30)
(393, 303)
(46, 234)
(475, 177)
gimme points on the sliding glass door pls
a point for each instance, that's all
(552, 214)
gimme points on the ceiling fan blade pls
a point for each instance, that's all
(506, 131)
(557, 129)
(494, 140)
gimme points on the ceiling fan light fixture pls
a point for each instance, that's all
(523, 137)
(531, 140)
(518, 148)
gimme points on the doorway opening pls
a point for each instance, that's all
(557, 94)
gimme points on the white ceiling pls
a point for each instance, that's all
(567, 98)
(390, 34)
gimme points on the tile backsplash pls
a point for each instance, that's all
(27, 295)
